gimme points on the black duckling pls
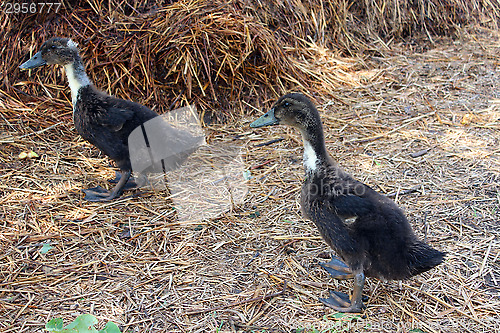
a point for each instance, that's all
(367, 230)
(104, 121)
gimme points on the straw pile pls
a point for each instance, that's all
(217, 54)
(254, 268)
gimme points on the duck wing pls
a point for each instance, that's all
(114, 118)
(350, 198)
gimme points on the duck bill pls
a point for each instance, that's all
(265, 120)
(34, 62)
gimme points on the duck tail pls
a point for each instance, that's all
(423, 257)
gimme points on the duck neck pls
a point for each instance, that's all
(315, 152)
(77, 78)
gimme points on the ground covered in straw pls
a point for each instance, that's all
(255, 268)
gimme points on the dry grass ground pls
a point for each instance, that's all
(132, 262)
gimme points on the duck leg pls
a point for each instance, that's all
(340, 301)
(130, 185)
(338, 269)
(99, 194)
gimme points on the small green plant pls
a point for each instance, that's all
(82, 324)
(45, 248)
(220, 327)
(339, 316)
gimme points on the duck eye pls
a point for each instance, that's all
(287, 104)
(53, 47)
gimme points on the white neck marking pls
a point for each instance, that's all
(76, 80)
(310, 157)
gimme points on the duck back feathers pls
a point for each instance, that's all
(368, 230)
(107, 122)
(422, 257)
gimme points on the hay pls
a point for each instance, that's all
(217, 54)
(131, 262)
(205, 52)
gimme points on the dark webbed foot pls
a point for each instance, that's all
(96, 194)
(336, 300)
(338, 269)
(99, 194)
(341, 302)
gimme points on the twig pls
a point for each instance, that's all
(30, 299)
(411, 315)
(408, 191)
(446, 304)
(230, 305)
(40, 131)
(419, 153)
(269, 142)
(258, 166)
(257, 253)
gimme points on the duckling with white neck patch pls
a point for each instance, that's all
(366, 229)
(103, 120)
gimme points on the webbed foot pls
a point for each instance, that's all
(96, 194)
(338, 269)
(341, 302)
(99, 194)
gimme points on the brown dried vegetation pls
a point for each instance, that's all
(131, 261)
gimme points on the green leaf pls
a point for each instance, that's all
(254, 214)
(83, 324)
(46, 248)
(342, 317)
(54, 325)
(110, 328)
(338, 315)
(247, 174)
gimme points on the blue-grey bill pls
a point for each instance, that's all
(265, 120)
(34, 62)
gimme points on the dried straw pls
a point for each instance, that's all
(131, 261)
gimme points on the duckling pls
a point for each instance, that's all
(103, 120)
(368, 231)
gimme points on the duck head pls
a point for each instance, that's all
(60, 51)
(295, 110)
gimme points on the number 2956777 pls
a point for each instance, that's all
(30, 7)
